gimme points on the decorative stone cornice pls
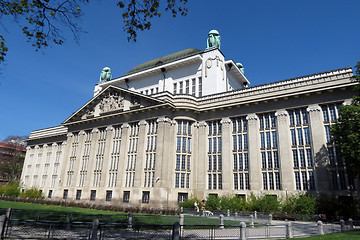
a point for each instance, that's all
(252, 117)
(109, 128)
(125, 125)
(347, 102)
(201, 124)
(70, 135)
(165, 119)
(45, 145)
(313, 108)
(226, 121)
(95, 130)
(82, 132)
(54, 144)
(37, 147)
(143, 122)
(281, 113)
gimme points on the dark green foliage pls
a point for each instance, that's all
(337, 206)
(266, 203)
(42, 21)
(300, 204)
(212, 203)
(32, 193)
(11, 189)
(233, 203)
(346, 131)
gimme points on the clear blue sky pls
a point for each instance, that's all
(275, 40)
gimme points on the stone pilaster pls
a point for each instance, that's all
(200, 177)
(284, 148)
(254, 152)
(322, 179)
(139, 168)
(226, 138)
(65, 162)
(92, 160)
(107, 158)
(77, 164)
(123, 155)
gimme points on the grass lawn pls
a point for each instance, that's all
(349, 235)
(59, 213)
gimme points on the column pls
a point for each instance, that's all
(285, 154)
(200, 176)
(226, 154)
(320, 149)
(139, 168)
(254, 153)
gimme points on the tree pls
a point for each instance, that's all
(346, 131)
(12, 158)
(42, 20)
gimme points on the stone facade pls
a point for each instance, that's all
(192, 127)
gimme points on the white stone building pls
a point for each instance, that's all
(187, 124)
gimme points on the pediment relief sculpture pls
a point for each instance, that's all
(112, 102)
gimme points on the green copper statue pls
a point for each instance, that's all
(241, 68)
(105, 75)
(213, 40)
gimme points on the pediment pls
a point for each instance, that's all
(112, 100)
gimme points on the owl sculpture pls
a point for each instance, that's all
(213, 40)
(105, 74)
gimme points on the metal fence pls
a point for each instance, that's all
(17, 226)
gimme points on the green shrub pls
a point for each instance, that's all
(300, 204)
(189, 203)
(32, 193)
(266, 203)
(212, 203)
(11, 189)
(233, 203)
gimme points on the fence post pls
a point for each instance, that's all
(270, 219)
(130, 218)
(320, 227)
(2, 225)
(8, 213)
(221, 221)
(228, 213)
(181, 209)
(351, 224)
(242, 231)
(289, 233)
(255, 214)
(251, 221)
(236, 214)
(181, 218)
(94, 230)
(342, 225)
(69, 221)
(176, 231)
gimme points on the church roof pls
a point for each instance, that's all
(163, 60)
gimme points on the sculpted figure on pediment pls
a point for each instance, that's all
(111, 102)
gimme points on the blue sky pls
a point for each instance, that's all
(275, 40)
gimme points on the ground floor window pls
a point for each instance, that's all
(65, 194)
(50, 193)
(126, 197)
(78, 194)
(146, 197)
(108, 196)
(182, 197)
(92, 195)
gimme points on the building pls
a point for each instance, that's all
(187, 124)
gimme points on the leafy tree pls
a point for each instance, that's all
(12, 158)
(42, 20)
(300, 204)
(346, 131)
(266, 203)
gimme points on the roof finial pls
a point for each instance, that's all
(213, 40)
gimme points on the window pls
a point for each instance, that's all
(145, 197)
(92, 195)
(200, 87)
(108, 196)
(65, 194)
(50, 193)
(78, 194)
(126, 196)
(187, 90)
(182, 197)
